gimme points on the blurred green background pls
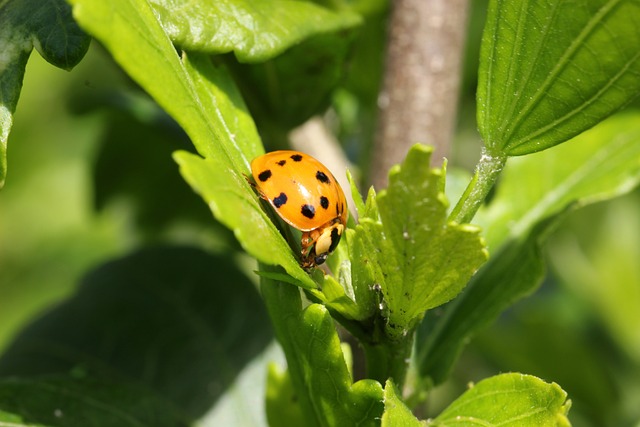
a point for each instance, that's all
(76, 196)
(49, 231)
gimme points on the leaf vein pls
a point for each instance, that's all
(582, 107)
(564, 61)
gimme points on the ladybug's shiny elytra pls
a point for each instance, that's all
(305, 194)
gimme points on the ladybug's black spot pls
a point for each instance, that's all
(281, 163)
(264, 175)
(324, 202)
(335, 239)
(309, 211)
(296, 157)
(280, 200)
(322, 177)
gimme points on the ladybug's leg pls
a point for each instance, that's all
(255, 187)
(308, 251)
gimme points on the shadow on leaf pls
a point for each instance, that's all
(173, 326)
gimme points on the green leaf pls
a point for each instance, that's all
(63, 400)
(254, 31)
(240, 211)
(396, 413)
(172, 320)
(358, 201)
(25, 24)
(352, 303)
(243, 403)
(141, 130)
(551, 336)
(304, 45)
(292, 87)
(354, 275)
(338, 300)
(597, 259)
(508, 400)
(419, 259)
(550, 70)
(200, 97)
(366, 208)
(283, 409)
(317, 367)
(513, 272)
(599, 164)
(204, 101)
(10, 85)
(47, 26)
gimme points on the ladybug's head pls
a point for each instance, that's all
(319, 243)
(320, 259)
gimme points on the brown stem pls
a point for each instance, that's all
(419, 97)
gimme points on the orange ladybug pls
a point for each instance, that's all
(306, 195)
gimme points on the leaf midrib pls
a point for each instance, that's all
(582, 107)
(564, 61)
